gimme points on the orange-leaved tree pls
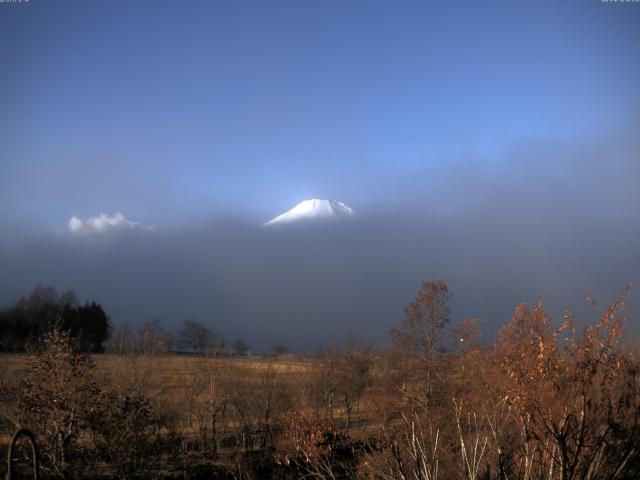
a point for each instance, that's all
(576, 398)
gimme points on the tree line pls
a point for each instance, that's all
(25, 323)
(153, 338)
(32, 316)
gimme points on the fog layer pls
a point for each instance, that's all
(550, 219)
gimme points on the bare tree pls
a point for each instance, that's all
(240, 347)
(154, 339)
(272, 401)
(466, 334)
(420, 334)
(122, 341)
(352, 375)
(217, 398)
(194, 335)
(280, 349)
(193, 385)
(387, 376)
(323, 384)
(216, 345)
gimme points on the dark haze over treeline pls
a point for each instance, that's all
(552, 220)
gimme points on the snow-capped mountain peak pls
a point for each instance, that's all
(314, 208)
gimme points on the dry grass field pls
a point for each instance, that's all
(166, 377)
(224, 403)
(542, 402)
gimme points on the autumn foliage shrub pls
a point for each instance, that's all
(316, 449)
(56, 397)
(543, 402)
(78, 425)
(575, 399)
(122, 428)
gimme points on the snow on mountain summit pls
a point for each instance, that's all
(313, 208)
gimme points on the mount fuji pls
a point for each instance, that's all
(313, 209)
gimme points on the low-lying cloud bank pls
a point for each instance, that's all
(554, 221)
(303, 286)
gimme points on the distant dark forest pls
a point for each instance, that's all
(33, 315)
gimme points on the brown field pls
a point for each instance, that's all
(180, 386)
(164, 377)
(542, 402)
(167, 378)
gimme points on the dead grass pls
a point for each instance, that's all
(162, 377)
(166, 370)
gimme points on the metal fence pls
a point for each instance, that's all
(12, 461)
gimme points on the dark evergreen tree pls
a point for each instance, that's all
(22, 325)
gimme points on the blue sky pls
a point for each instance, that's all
(168, 111)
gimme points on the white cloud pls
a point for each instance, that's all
(75, 224)
(103, 223)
